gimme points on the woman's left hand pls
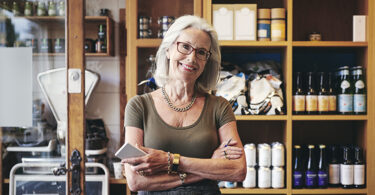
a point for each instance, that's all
(155, 161)
(229, 151)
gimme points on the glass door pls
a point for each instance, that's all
(43, 94)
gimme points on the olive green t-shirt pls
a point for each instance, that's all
(198, 140)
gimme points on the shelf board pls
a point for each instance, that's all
(235, 43)
(63, 54)
(329, 44)
(6, 180)
(252, 191)
(61, 18)
(329, 191)
(148, 42)
(329, 117)
(261, 118)
(117, 181)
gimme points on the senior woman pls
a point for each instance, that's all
(189, 135)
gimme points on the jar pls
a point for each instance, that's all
(264, 177)
(51, 8)
(278, 154)
(264, 153)
(104, 12)
(28, 11)
(59, 46)
(16, 9)
(89, 45)
(277, 176)
(315, 36)
(41, 10)
(61, 8)
(264, 24)
(250, 154)
(278, 24)
(46, 45)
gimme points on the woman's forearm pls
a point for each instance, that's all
(215, 169)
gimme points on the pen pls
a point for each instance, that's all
(228, 142)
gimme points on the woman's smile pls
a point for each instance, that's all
(187, 67)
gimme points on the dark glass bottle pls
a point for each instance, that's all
(359, 97)
(311, 95)
(334, 167)
(359, 168)
(322, 94)
(345, 92)
(323, 168)
(101, 31)
(299, 96)
(347, 169)
(332, 96)
(297, 168)
(311, 169)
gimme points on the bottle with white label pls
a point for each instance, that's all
(359, 97)
(347, 169)
(359, 168)
(345, 92)
(299, 96)
(334, 167)
(311, 95)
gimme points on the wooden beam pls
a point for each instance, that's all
(76, 101)
(1, 160)
(123, 98)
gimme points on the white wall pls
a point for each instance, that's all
(105, 101)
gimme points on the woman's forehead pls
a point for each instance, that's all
(195, 37)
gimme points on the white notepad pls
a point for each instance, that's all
(129, 151)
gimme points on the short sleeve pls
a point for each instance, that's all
(134, 113)
(224, 112)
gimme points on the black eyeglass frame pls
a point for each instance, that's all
(208, 53)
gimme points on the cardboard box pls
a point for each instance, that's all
(223, 21)
(359, 28)
(245, 22)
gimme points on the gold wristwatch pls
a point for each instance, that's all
(175, 163)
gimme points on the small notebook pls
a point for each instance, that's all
(129, 151)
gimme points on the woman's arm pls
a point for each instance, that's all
(156, 178)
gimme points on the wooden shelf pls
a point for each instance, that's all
(330, 191)
(329, 44)
(117, 181)
(61, 18)
(63, 54)
(252, 191)
(261, 118)
(329, 117)
(6, 180)
(253, 43)
(148, 42)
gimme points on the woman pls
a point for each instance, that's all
(190, 136)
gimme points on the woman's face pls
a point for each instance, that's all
(188, 67)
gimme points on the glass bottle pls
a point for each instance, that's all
(101, 31)
(334, 167)
(299, 96)
(41, 10)
(28, 11)
(347, 169)
(331, 92)
(297, 168)
(61, 8)
(51, 8)
(359, 168)
(323, 168)
(345, 92)
(323, 100)
(311, 169)
(16, 9)
(359, 97)
(311, 95)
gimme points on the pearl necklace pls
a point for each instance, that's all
(184, 109)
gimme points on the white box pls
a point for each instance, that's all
(359, 28)
(245, 22)
(223, 21)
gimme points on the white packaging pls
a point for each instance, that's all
(245, 22)
(278, 154)
(250, 154)
(223, 21)
(359, 28)
(264, 155)
(250, 180)
(264, 177)
(277, 175)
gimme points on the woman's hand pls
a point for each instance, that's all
(229, 151)
(155, 161)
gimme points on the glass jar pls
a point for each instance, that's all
(61, 8)
(51, 8)
(28, 11)
(41, 10)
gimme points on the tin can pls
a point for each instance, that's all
(264, 24)
(144, 26)
(278, 24)
(250, 180)
(264, 177)
(278, 154)
(230, 184)
(145, 34)
(278, 177)
(264, 155)
(250, 154)
(144, 20)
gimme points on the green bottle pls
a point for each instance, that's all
(345, 92)
(359, 97)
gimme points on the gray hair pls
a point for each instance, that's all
(208, 79)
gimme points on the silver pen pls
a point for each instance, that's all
(228, 142)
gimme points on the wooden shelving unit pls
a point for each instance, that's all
(333, 18)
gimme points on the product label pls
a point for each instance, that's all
(264, 30)
(323, 103)
(299, 103)
(311, 178)
(334, 173)
(278, 30)
(345, 103)
(359, 174)
(359, 84)
(332, 103)
(297, 178)
(311, 103)
(347, 174)
(277, 177)
(322, 178)
(359, 102)
(345, 84)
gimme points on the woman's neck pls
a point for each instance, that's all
(180, 92)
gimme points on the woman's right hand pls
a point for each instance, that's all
(229, 151)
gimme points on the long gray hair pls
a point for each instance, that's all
(208, 79)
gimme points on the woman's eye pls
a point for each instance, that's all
(202, 52)
(186, 46)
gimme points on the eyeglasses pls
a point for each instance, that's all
(186, 49)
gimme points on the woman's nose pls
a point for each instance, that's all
(192, 57)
